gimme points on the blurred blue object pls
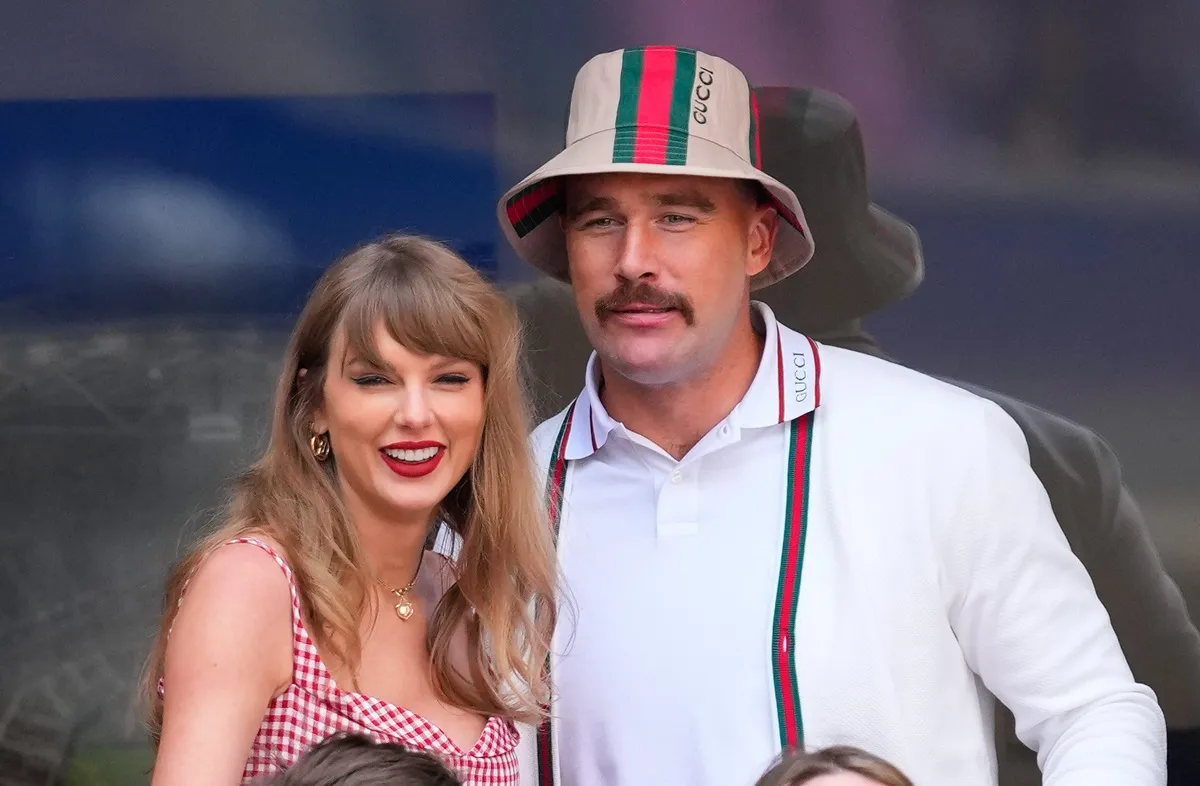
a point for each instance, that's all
(224, 207)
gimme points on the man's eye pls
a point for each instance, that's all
(676, 218)
(602, 222)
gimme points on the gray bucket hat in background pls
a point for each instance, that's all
(866, 258)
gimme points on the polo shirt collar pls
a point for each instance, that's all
(788, 382)
(591, 424)
(786, 386)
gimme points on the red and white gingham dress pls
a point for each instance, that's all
(314, 707)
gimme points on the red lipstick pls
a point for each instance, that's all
(413, 459)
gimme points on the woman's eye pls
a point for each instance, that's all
(454, 379)
(369, 380)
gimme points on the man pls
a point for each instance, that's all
(766, 542)
(867, 259)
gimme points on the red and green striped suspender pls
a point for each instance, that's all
(795, 528)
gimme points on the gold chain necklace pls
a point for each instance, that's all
(404, 607)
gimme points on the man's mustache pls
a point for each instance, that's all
(643, 294)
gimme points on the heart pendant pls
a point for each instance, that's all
(404, 610)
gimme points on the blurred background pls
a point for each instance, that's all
(174, 176)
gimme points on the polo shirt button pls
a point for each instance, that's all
(725, 431)
(676, 476)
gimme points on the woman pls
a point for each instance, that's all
(839, 765)
(316, 608)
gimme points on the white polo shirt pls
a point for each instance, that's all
(932, 568)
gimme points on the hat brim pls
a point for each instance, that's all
(528, 212)
(894, 253)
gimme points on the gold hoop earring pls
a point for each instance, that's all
(319, 444)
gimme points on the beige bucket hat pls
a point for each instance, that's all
(660, 110)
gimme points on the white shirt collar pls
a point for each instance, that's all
(786, 386)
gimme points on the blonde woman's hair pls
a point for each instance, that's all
(799, 767)
(431, 302)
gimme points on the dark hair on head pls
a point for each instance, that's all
(357, 760)
(800, 767)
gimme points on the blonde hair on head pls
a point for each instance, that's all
(799, 767)
(432, 302)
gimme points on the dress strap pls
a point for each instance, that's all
(308, 671)
(300, 638)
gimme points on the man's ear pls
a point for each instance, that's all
(764, 227)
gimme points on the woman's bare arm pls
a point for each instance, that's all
(229, 654)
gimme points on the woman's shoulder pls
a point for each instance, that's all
(257, 549)
(234, 622)
(246, 577)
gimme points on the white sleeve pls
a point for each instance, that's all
(447, 542)
(1029, 623)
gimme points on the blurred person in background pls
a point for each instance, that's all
(715, 457)
(316, 607)
(357, 760)
(839, 765)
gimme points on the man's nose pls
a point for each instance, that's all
(637, 257)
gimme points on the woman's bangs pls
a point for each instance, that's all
(425, 317)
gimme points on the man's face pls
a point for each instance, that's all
(660, 266)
